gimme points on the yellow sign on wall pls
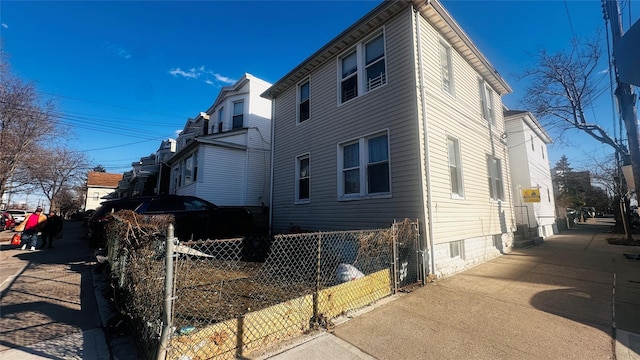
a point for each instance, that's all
(531, 195)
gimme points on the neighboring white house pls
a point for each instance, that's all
(397, 117)
(100, 185)
(531, 183)
(150, 175)
(223, 154)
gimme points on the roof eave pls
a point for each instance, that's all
(440, 18)
(435, 14)
(372, 20)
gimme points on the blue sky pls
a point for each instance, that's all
(128, 74)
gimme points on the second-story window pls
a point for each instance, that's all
(446, 68)
(303, 101)
(220, 119)
(486, 102)
(238, 115)
(533, 147)
(363, 69)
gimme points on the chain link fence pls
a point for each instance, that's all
(219, 299)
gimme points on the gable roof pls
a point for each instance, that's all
(103, 179)
(431, 10)
(530, 120)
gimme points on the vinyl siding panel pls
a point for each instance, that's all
(391, 107)
(224, 183)
(530, 169)
(460, 116)
(239, 175)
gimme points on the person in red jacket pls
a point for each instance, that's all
(30, 227)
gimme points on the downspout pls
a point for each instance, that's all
(271, 156)
(428, 207)
(247, 166)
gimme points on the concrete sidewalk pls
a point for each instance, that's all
(575, 296)
(51, 302)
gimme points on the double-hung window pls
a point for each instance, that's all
(363, 68)
(302, 179)
(486, 102)
(190, 169)
(455, 169)
(494, 170)
(238, 115)
(187, 170)
(303, 101)
(533, 146)
(364, 167)
(220, 119)
(446, 68)
(194, 166)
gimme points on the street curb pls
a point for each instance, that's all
(121, 345)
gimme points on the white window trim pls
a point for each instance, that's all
(297, 200)
(491, 172)
(363, 150)
(446, 47)
(361, 67)
(219, 120)
(461, 250)
(486, 102)
(458, 159)
(233, 113)
(180, 170)
(298, 102)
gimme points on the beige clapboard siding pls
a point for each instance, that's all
(391, 107)
(395, 107)
(459, 116)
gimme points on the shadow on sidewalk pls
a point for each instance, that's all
(49, 299)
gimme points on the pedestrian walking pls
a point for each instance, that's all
(30, 227)
(52, 228)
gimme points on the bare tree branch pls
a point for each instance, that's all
(53, 171)
(563, 85)
(24, 121)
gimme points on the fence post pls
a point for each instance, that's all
(168, 294)
(316, 293)
(394, 245)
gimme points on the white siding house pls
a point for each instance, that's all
(396, 118)
(530, 170)
(223, 154)
(99, 186)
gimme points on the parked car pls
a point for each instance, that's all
(195, 218)
(87, 216)
(18, 215)
(7, 220)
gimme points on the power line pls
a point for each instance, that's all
(106, 104)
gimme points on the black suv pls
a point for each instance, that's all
(195, 218)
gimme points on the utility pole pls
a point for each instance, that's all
(626, 107)
(624, 94)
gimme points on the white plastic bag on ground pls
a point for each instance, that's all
(346, 272)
